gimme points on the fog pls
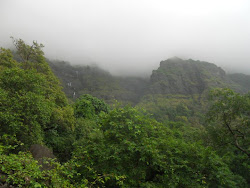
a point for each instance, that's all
(132, 36)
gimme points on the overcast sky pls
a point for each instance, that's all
(133, 35)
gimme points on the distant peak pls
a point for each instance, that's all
(175, 58)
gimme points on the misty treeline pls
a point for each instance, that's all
(163, 140)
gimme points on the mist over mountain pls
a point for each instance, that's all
(125, 93)
(131, 37)
(173, 76)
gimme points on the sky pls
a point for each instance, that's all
(131, 37)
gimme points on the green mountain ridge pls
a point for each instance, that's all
(78, 80)
(174, 76)
(177, 91)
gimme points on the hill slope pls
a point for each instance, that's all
(174, 76)
(78, 80)
(187, 77)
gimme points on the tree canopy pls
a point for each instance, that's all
(97, 145)
(231, 113)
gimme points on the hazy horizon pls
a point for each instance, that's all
(132, 37)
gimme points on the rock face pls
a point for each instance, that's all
(187, 77)
(40, 153)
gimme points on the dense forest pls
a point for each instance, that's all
(187, 125)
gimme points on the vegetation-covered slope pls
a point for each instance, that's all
(176, 76)
(242, 80)
(97, 145)
(173, 77)
(78, 80)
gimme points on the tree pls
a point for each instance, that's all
(230, 111)
(32, 57)
(88, 107)
(28, 53)
(24, 110)
(6, 59)
(127, 142)
(33, 107)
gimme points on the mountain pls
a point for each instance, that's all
(174, 76)
(187, 77)
(78, 80)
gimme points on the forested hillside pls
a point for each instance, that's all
(184, 127)
(174, 76)
(78, 80)
(177, 91)
(242, 80)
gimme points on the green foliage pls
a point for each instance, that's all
(60, 133)
(22, 170)
(128, 143)
(99, 83)
(81, 174)
(228, 129)
(6, 59)
(88, 107)
(24, 111)
(29, 53)
(32, 58)
(231, 111)
(122, 147)
(242, 81)
(177, 108)
(33, 107)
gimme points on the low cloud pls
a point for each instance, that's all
(132, 37)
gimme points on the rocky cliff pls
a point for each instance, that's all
(187, 77)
